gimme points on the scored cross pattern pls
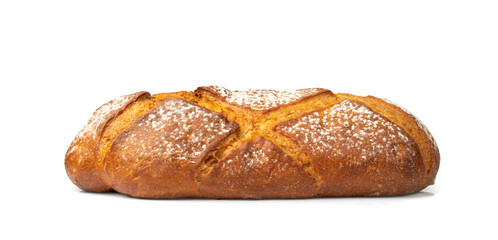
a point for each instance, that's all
(214, 142)
(258, 111)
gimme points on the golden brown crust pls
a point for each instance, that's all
(369, 154)
(83, 162)
(262, 101)
(417, 130)
(425, 140)
(258, 169)
(156, 157)
(216, 143)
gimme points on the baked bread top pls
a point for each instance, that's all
(213, 142)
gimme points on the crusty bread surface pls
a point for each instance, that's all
(217, 143)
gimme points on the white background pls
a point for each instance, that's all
(60, 60)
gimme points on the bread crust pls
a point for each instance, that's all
(370, 155)
(83, 162)
(215, 143)
(158, 155)
(258, 169)
(427, 143)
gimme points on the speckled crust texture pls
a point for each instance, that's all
(258, 169)
(427, 144)
(157, 156)
(320, 144)
(262, 100)
(83, 163)
(369, 154)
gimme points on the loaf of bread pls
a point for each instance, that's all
(216, 143)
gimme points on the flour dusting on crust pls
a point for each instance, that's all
(176, 130)
(350, 130)
(258, 168)
(258, 153)
(255, 156)
(419, 123)
(264, 100)
(101, 116)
